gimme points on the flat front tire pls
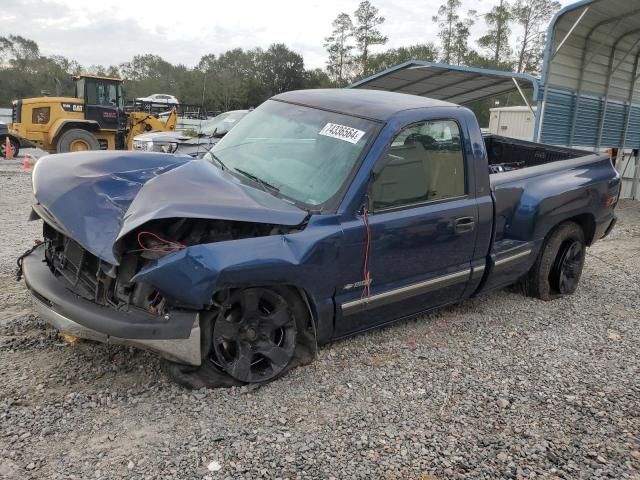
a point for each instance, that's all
(558, 268)
(257, 335)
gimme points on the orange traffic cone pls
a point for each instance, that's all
(8, 151)
(26, 165)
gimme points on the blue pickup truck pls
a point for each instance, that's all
(322, 214)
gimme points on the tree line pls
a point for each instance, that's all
(234, 79)
(349, 46)
(242, 78)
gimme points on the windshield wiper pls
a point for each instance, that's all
(220, 162)
(214, 134)
(257, 179)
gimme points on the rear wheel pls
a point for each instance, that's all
(77, 140)
(15, 147)
(559, 265)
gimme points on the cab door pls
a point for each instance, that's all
(101, 103)
(421, 231)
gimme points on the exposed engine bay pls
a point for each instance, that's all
(109, 285)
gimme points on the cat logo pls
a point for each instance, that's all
(73, 107)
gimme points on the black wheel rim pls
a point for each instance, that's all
(254, 340)
(569, 267)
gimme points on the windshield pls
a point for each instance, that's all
(302, 153)
(222, 123)
(102, 92)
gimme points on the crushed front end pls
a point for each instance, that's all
(80, 294)
(134, 243)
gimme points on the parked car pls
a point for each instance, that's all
(196, 146)
(323, 214)
(15, 142)
(159, 98)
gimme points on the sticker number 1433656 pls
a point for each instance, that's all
(342, 132)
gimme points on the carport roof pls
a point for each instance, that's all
(452, 83)
(594, 47)
(591, 75)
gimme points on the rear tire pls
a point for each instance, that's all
(15, 147)
(77, 140)
(558, 268)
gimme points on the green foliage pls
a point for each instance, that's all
(532, 16)
(235, 79)
(24, 72)
(460, 49)
(366, 33)
(496, 40)
(317, 78)
(280, 69)
(454, 32)
(245, 78)
(190, 132)
(340, 62)
(240, 78)
(447, 18)
(396, 56)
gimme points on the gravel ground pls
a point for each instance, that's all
(497, 387)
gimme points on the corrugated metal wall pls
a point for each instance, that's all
(559, 109)
(609, 30)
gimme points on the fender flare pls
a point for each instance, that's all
(62, 124)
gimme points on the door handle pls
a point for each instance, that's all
(464, 224)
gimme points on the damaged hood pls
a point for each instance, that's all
(98, 197)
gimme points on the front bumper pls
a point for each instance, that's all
(176, 338)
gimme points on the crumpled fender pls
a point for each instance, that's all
(194, 274)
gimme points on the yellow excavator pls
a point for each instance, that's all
(95, 119)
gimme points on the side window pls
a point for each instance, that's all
(41, 115)
(424, 163)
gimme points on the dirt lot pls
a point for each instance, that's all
(498, 387)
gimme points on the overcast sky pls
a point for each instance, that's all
(112, 32)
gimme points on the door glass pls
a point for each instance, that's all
(424, 163)
(92, 92)
(41, 115)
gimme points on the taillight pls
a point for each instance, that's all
(612, 200)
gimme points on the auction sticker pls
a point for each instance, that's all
(342, 132)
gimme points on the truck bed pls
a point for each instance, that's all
(508, 154)
(536, 187)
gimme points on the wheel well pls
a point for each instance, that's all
(304, 298)
(89, 127)
(587, 222)
(310, 306)
(13, 138)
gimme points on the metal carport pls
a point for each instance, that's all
(453, 83)
(588, 94)
(590, 75)
(590, 80)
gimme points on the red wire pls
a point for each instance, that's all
(171, 245)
